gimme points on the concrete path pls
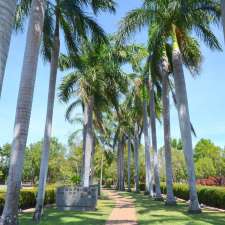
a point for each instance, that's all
(124, 212)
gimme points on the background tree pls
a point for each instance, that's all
(4, 162)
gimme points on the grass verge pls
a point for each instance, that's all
(151, 212)
(53, 216)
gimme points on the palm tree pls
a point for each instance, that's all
(223, 15)
(137, 120)
(136, 144)
(170, 200)
(120, 164)
(177, 23)
(95, 92)
(7, 13)
(160, 70)
(23, 112)
(158, 195)
(63, 20)
(148, 175)
(129, 164)
(136, 63)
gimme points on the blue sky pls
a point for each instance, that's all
(206, 93)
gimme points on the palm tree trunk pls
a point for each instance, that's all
(84, 144)
(48, 127)
(223, 15)
(119, 155)
(92, 163)
(24, 105)
(89, 141)
(136, 160)
(101, 175)
(129, 164)
(148, 175)
(184, 120)
(120, 166)
(7, 12)
(158, 194)
(170, 199)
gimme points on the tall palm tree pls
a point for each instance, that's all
(223, 15)
(177, 23)
(136, 144)
(64, 13)
(158, 194)
(160, 70)
(147, 149)
(137, 120)
(24, 104)
(136, 61)
(93, 91)
(7, 13)
(170, 200)
(129, 164)
(120, 164)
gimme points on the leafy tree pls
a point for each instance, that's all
(179, 166)
(205, 168)
(206, 149)
(176, 144)
(4, 161)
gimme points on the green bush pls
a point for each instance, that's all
(211, 196)
(142, 187)
(27, 198)
(1, 202)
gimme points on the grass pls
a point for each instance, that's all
(156, 213)
(53, 216)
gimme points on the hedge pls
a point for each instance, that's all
(28, 198)
(210, 196)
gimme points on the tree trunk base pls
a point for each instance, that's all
(9, 220)
(170, 203)
(38, 214)
(194, 207)
(196, 211)
(158, 198)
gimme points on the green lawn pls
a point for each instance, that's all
(155, 213)
(55, 217)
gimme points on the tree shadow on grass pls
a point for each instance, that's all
(152, 212)
(53, 216)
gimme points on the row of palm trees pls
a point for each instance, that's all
(170, 25)
(98, 81)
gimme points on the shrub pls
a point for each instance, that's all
(142, 187)
(211, 196)
(27, 198)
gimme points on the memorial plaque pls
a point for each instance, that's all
(77, 198)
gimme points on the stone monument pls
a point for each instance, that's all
(77, 198)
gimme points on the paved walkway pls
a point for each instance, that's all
(124, 212)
